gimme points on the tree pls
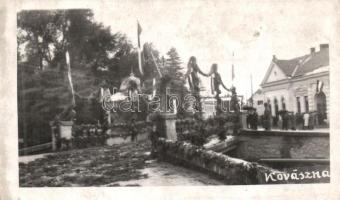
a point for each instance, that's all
(43, 88)
(173, 70)
(173, 64)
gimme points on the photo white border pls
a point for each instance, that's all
(9, 186)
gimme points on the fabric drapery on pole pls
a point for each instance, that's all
(154, 89)
(70, 76)
(156, 64)
(139, 31)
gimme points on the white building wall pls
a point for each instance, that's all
(300, 88)
(259, 108)
(276, 74)
(278, 94)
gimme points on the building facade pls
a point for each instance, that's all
(257, 100)
(298, 85)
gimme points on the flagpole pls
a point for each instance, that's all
(232, 70)
(251, 83)
(139, 31)
(251, 89)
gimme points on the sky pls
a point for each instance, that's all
(213, 30)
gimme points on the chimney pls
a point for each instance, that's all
(274, 57)
(324, 46)
(312, 50)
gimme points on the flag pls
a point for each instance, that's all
(70, 76)
(319, 86)
(139, 31)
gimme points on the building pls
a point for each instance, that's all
(300, 84)
(257, 100)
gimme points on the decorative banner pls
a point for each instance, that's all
(70, 76)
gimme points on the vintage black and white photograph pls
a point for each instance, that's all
(174, 93)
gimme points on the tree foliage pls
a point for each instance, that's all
(43, 88)
(96, 54)
(173, 69)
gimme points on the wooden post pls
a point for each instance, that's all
(53, 135)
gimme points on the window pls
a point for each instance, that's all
(114, 90)
(283, 103)
(298, 104)
(259, 102)
(276, 107)
(306, 104)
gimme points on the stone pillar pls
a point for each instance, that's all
(243, 120)
(65, 128)
(168, 126)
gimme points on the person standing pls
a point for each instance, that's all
(133, 130)
(292, 120)
(154, 138)
(285, 119)
(255, 119)
(305, 121)
(248, 119)
(267, 116)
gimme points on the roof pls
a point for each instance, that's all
(258, 91)
(288, 66)
(304, 64)
(317, 60)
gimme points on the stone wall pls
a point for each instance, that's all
(255, 145)
(84, 136)
(124, 139)
(230, 170)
